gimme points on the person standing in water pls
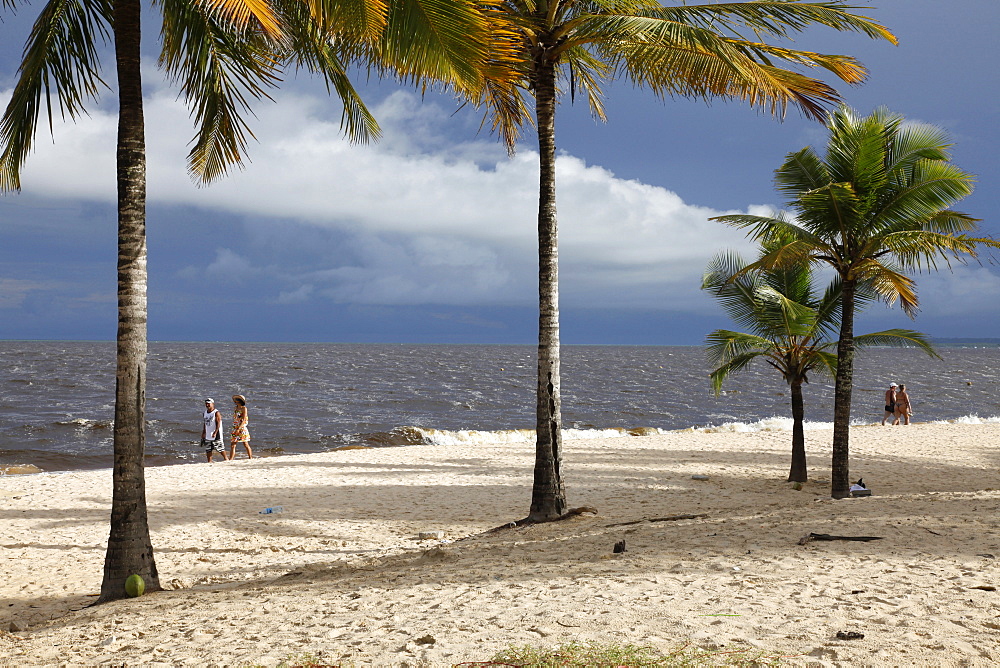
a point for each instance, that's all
(241, 418)
(902, 405)
(211, 431)
(890, 402)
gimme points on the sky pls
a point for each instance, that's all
(429, 236)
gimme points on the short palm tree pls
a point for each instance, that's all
(876, 205)
(791, 327)
(682, 50)
(222, 52)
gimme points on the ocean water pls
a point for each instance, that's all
(57, 398)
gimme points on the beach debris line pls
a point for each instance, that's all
(850, 635)
(825, 536)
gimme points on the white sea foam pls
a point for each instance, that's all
(970, 419)
(426, 436)
(773, 423)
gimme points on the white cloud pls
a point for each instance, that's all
(425, 219)
(963, 290)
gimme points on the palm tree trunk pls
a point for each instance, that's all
(840, 465)
(548, 496)
(798, 472)
(130, 550)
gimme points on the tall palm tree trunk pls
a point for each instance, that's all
(840, 462)
(548, 495)
(797, 472)
(130, 550)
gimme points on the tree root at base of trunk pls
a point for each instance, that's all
(527, 521)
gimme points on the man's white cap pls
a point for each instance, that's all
(893, 385)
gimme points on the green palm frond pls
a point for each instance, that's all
(586, 71)
(307, 45)
(782, 316)
(440, 40)
(350, 22)
(916, 142)
(929, 188)
(779, 18)
(736, 290)
(897, 338)
(802, 171)
(219, 69)
(734, 365)
(887, 283)
(825, 361)
(951, 222)
(675, 59)
(61, 55)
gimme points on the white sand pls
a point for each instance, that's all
(341, 574)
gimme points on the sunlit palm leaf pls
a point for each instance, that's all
(898, 338)
(61, 56)
(238, 15)
(219, 71)
(440, 39)
(778, 18)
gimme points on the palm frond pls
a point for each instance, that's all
(61, 55)
(587, 72)
(311, 43)
(888, 284)
(439, 40)
(236, 15)
(784, 317)
(899, 338)
(778, 18)
(731, 352)
(674, 59)
(344, 22)
(825, 361)
(925, 190)
(219, 69)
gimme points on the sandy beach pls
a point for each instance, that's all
(344, 575)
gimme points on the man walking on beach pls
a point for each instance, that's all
(890, 402)
(211, 431)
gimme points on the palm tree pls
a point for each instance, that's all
(791, 329)
(693, 51)
(221, 52)
(876, 205)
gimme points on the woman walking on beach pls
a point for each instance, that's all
(902, 405)
(240, 421)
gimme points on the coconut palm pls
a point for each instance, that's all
(876, 205)
(680, 50)
(791, 327)
(223, 53)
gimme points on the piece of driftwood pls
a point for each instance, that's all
(670, 518)
(825, 536)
